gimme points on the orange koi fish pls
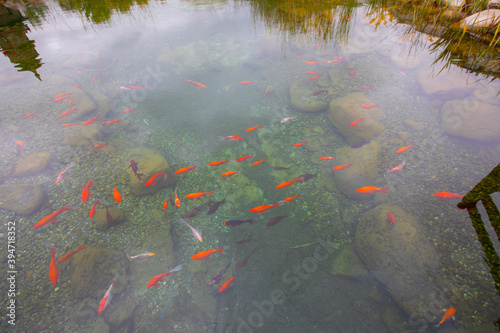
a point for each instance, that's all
(206, 254)
(177, 200)
(244, 158)
(327, 158)
(70, 102)
(70, 124)
(91, 121)
(117, 195)
(153, 179)
(247, 82)
(77, 86)
(92, 209)
(86, 191)
(198, 195)
(313, 73)
(397, 167)
(19, 143)
(369, 106)
(314, 78)
(185, 169)
(300, 144)
(290, 183)
(264, 208)
(106, 298)
(403, 149)
(31, 114)
(100, 145)
(70, 255)
(94, 78)
(391, 218)
(231, 137)
(253, 128)
(67, 112)
(128, 110)
(448, 314)
(448, 195)
(217, 163)
(259, 162)
(196, 84)
(227, 284)
(354, 123)
(365, 88)
(292, 198)
(267, 90)
(63, 94)
(353, 74)
(159, 278)
(229, 173)
(60, 99)
(53, 268)
(165, 202)
(111, 121)
(371, 189)
(136, 88)
(311, 62)
(51, 218)
(341, 167)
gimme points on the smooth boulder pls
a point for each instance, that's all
(21, 198)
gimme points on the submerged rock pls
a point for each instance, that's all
(150, 162)
(21, 198)
(348, 264)
(452, 82)
(94, 270)
(100, 218)
(471, 119)
(83, 135)
(345, 110)
(31, 164)
(363, 171)
(302, 99)
(400, 256)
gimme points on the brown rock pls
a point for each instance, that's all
(85, 105)
(100, 218)
(31, 164)
(301, 97)
(415, 125)
(362, 172)
(83, 136)
(151, 162)
(446, 81)
(471, 119)
(345, 110)
(95, 269)
(21, 198)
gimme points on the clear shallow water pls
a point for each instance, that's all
(158, 47)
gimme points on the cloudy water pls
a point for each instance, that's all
(318, 154)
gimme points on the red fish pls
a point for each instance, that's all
(31, 114)
(292, 198)
(244, 158)
(229, 173)
(100, 145)
(91, 121)
(300, 143)
(67, 112)
(197, 195)
(206, 254)
(77, 86)
(275, 220)
(153, 179)
(397, 167)
(70, 124)
(70, 102)
(244, 261)
(448, 314)
(267, 90)
(369, 106)
(159, 278)
(92, 209)
(391, 218)
(231, 137)
(227, 284)
(177, 200)
(327, 158)
(247, 82)
(51, 218)
(128, 110)
(365, 88)
(60, 99)
(60, 178)
(86, 191)
(185, 169)
(111, 121)
(94, 78)
(136, 88)
(106, 299)
(253, 128)
(70, 255)
(53, 268)
(63, 94)
(354, 123)
(116, 195)
(313, 73)
(403, 149)
(314, 78)
(264, 208)
(217, 163)
(289, 183)
(196, 84)
(448, 195)
(341, 167)
(371, 189)
(311, 62)
(259, 162)
(165, 202)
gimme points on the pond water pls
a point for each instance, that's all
(377, 131)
